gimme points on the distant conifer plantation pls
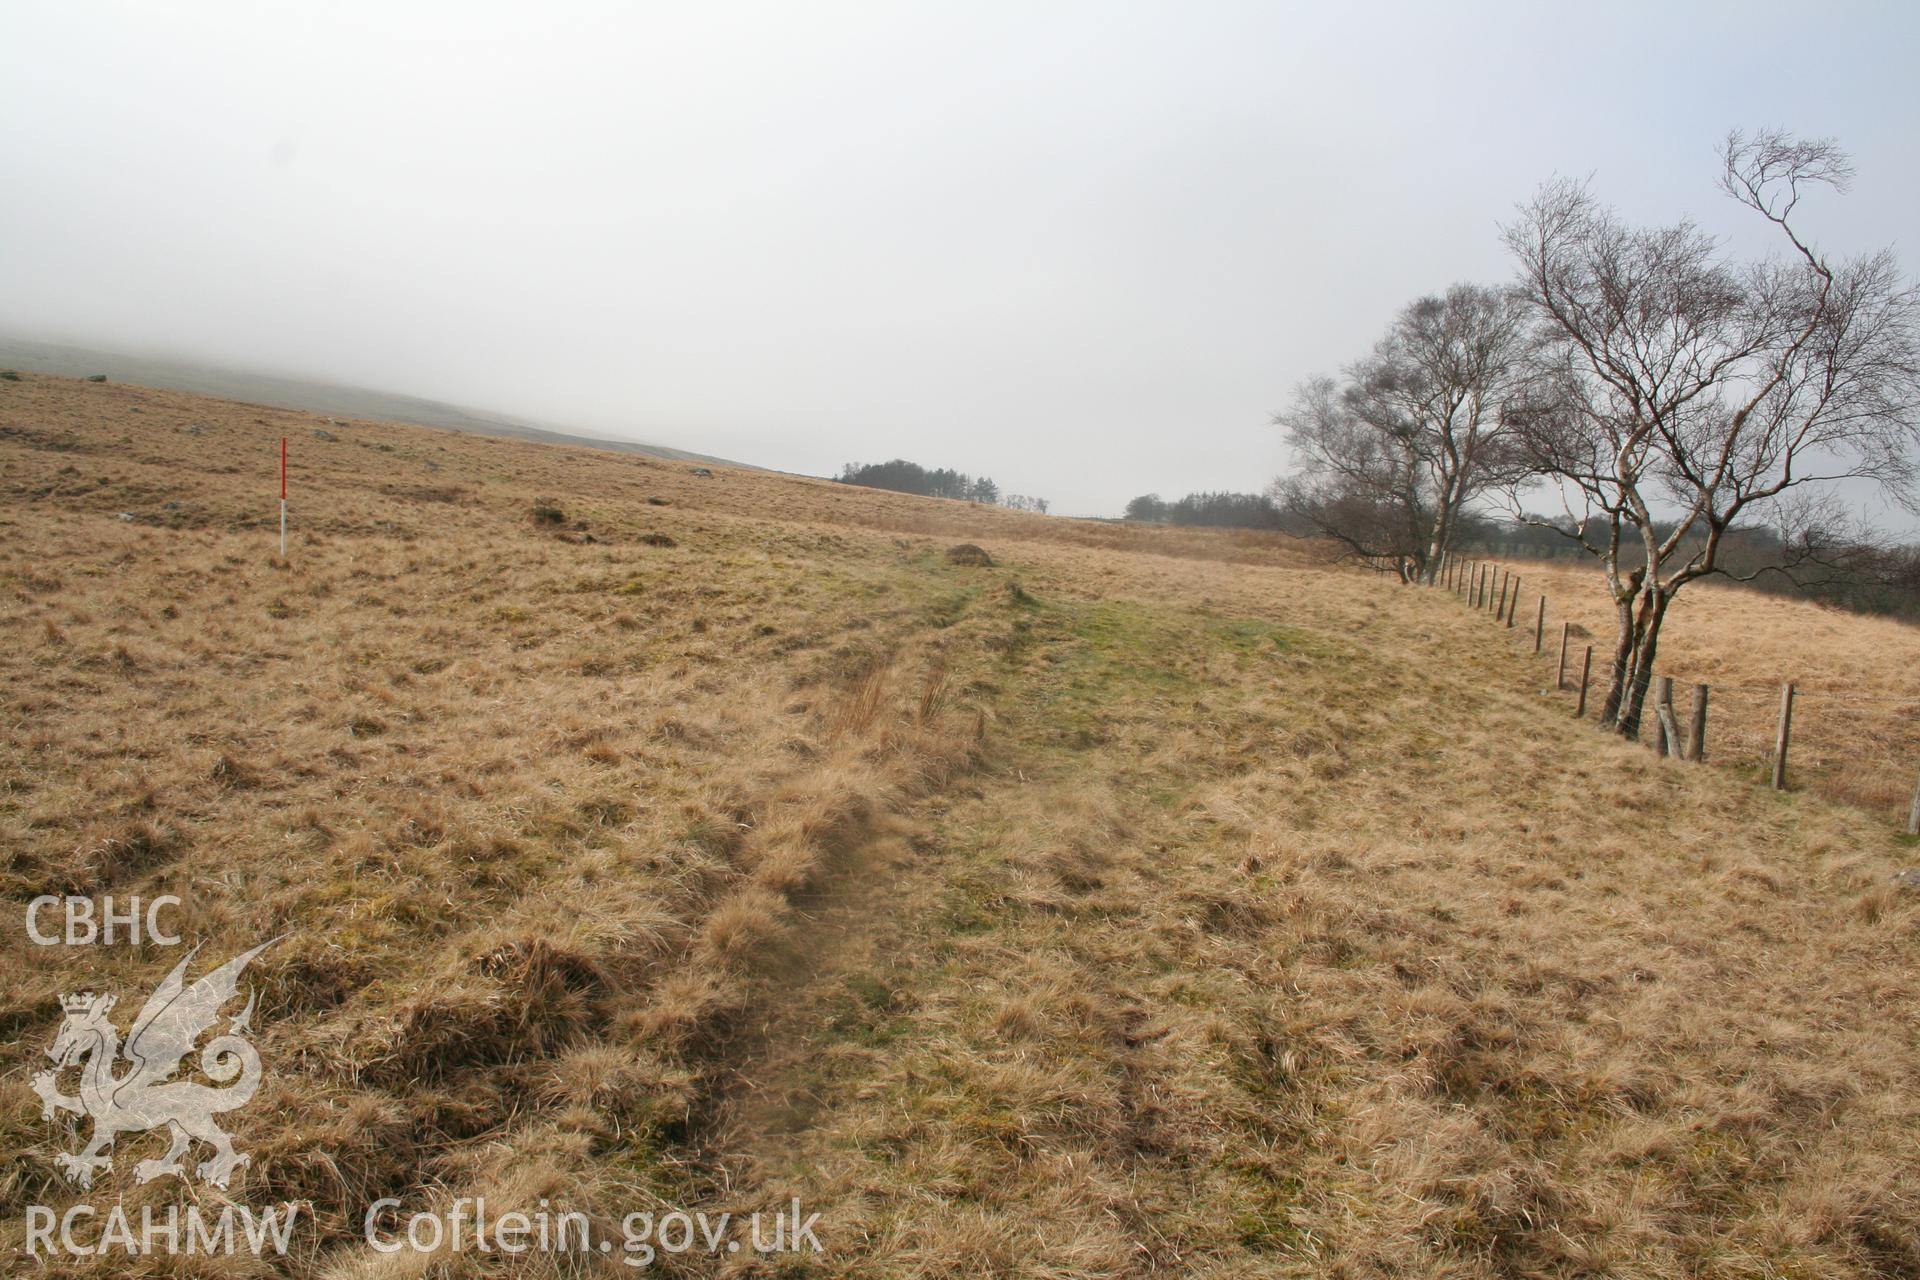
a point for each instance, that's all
(910, 477)
(1209, 510)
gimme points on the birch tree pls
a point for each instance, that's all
(1415, 433)
(1676, 391)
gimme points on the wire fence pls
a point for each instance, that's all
(1862, 748)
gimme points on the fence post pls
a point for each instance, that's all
(1560, 672)
(1586, 669)
(1697, 731)
(1540, 624)
(1669, 735)
(1500, 601)
(1780, 741)
(1662, 694)
(1513, 605)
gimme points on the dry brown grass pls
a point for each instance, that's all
(1856, 717)
(1154, 901)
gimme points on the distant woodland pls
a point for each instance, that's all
(902, 476)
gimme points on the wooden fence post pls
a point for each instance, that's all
(1780, 741)
(1586, 669)
(1540, 624)
(1500, 601)
(1652, 732)
(1513, 605)
(1560, 672)
(1697, 738)
(1666, 731)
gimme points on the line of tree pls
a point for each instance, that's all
(902, 476)
(1690, 412)
(1208, 510)
(1829, 566)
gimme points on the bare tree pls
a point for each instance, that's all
(1676, 391)
(1357, 486)
(1415, 434)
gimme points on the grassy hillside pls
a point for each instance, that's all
(1856, 716)
(287, 392)
(1153, 901)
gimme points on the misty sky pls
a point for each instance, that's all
(1087, 249)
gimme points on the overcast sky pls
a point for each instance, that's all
(1087, 249)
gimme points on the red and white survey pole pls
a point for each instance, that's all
(283, 497)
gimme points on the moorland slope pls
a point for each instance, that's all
(1147, 902)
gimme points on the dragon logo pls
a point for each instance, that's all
(140, 1097)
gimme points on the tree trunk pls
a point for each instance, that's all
(1442, 536)
(1653, 611)
(1622, 665)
